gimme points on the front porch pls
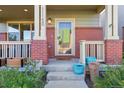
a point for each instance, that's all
(36, 36)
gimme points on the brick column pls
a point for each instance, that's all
(39, 50)
(113, 51)
(39, 43)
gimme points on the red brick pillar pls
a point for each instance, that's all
(113, 51)
(39, 50)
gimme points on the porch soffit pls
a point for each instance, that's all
(16, 12)
(95, 8)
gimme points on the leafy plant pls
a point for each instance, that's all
(29, 78)
(113, 78)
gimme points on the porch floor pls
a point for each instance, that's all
(60, 75)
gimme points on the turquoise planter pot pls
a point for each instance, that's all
(90, 60)
(78, 68)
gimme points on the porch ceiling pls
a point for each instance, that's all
(16, 12)
(96, 8)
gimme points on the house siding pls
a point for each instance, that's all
(120, 21)
(81, 33)
(87, 33)
(82, 18)
(3, 27)
(3, 31)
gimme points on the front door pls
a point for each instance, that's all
(65, 37)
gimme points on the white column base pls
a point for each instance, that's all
(112, 38)
(37, 38)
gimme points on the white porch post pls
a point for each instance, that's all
(43, 22)
(82, 51)
(111, 30)
(36, 22)
(115, 21)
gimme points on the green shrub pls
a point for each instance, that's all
(113, 78)
(30, 78)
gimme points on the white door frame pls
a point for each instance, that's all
(72, 20)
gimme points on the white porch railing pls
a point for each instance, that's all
(14, 49)
(92, 48)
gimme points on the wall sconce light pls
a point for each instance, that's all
(49, 21)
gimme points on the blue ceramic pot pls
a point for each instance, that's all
(90, 60)
(78, 68)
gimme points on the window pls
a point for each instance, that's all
(13, 32)
(20, 31)
(25, 32)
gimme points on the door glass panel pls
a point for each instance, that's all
(13, 32)
(64, 38)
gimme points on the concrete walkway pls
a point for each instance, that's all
(60, 75)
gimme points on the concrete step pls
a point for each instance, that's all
(60, 65)
(57, 68)
(64, 76)
(66, 84)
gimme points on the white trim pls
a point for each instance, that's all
(111, 30)
(36, 22)
(43, 22)
(100, 50)
(15, 42)
(115, 21)
(15, 46)
(73, 35)
(92, 42)
(82, 51)
(19, 22)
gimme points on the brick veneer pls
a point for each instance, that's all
(3, 36)
(39, 50)
(81, 33)
(86, 33)
(113, 51)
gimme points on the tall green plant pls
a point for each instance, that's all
(30, 78)
(113, 78)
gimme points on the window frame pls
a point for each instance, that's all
(20, 22)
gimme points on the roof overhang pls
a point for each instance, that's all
(95, 8)
(16, 12)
